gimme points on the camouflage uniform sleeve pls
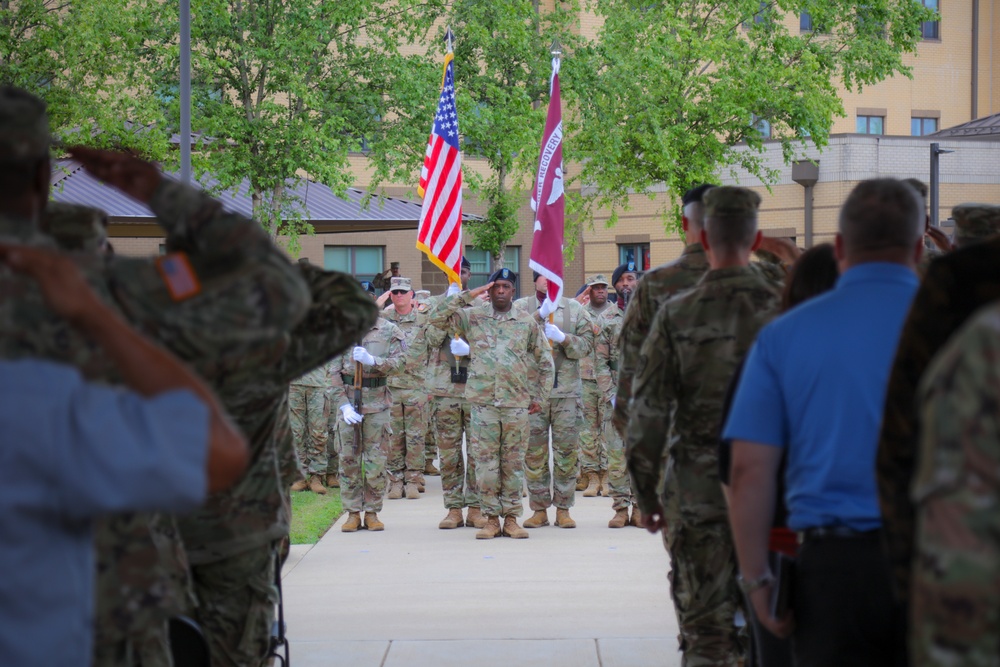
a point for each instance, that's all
(956, 569)
(435, 336)
(635, 326)
(396, 358)
(654, 395)
(231, 285)
(546, 368)
(338, 391)
(580, 342)
(448, 313)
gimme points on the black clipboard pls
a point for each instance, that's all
(783, 568)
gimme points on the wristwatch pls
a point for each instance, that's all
(749, 586)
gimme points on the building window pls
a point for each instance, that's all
(931, 29)
(871, 125)
(763, 126)
(483, 266)
(362, 262)
(762, 15)
(805, 22)
(921, 126)
(635, 252)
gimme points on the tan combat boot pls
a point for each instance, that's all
(430, 469)
(453, 520)
(563, 519)
(352, 524)
(333, 481)
(475, 518)
(538, 519)
(372, 523)
(636, 519)
(605, 487)
(593, 486)
(581, 481)
(511, 529)
(421, 485)
(300, 485)
(411, 492)
(490, 530)
(619, 520)
(395, 490)
(316, 486)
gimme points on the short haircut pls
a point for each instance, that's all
(17, 176)
(881, 214)
(918, 185)
(731, 232)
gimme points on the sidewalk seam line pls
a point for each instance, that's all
(385, 656)
(597, 647)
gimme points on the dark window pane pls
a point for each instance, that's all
(805, 22)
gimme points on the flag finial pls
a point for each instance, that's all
(556, 48)
(449, 38)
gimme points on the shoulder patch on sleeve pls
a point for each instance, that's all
(178, 276)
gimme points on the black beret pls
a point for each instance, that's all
(627, 267)
(504, 274)
(696, 193)
(367, 286)
(466, 264)
(534, 276)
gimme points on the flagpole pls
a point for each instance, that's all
(556, 51)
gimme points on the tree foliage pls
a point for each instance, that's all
(288, 88)
(502, 68)
(673, 86)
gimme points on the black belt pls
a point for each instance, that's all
(834, 533)
(370, 383)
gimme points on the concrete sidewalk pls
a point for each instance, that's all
(415, 595)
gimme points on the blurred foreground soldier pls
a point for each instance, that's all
(76, 227)
(955, 286)
(364, 454)
(697, 341)
(309, 415)
(451, 413)
(599, 372)
(222, 288)
(571, 336)
(975, 223)
(821, 413)
(655, 287)
(506, 348)
(75, 450)
(408, 385)
(956, 493)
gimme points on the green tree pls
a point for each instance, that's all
(80, 57)
(673, 86)
(288, 88)
(502, 69)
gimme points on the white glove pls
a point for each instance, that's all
(361, 354)
(350, 415)
(554, 333)
(453, 289)
(459, 347)
(547, 309)
(613, 397)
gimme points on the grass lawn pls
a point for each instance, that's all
(312, 515)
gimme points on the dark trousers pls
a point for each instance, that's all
(844, 609)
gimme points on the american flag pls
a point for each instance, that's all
(439, 235)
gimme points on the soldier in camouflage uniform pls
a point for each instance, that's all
(697, 341)
(450, 421)
(955, 286)
(956, 494)
(571, 334)
(76, 227)
(223, 287)
(598, 371)
(607, 452)
(381, 353)
(654, 288)
(309, 416)
(409, 396)
(507, 348)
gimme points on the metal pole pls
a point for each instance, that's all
(809, 215)
(185, 44)
(935, 182)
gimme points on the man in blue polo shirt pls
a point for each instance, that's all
(813, 389)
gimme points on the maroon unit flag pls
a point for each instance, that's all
(547, 198)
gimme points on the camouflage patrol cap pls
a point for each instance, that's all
(599, 279)
(729, 201)
(974, 222)
(76, 227)
(422, 294)
(400, 284)
(24, 125)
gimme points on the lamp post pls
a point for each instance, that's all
(935, 186)
(806, 174)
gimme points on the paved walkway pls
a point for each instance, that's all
(415, 595)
